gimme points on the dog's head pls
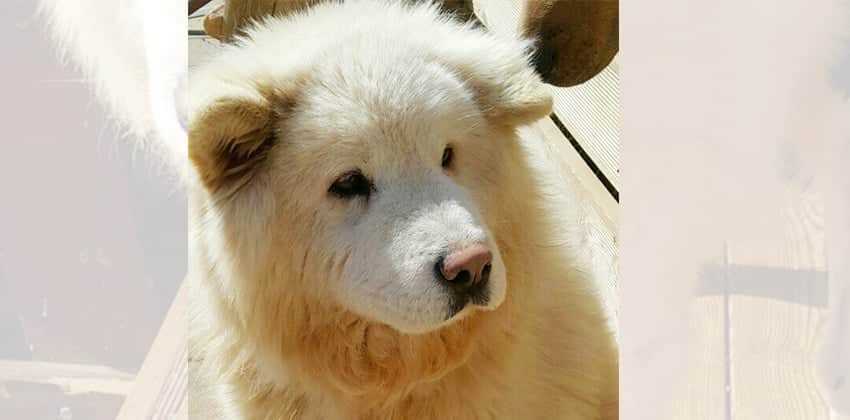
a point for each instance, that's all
(373, 167)
(360, 183)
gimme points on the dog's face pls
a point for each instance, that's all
(365, 181)
(395, 162)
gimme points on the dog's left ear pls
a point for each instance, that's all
(505, 85)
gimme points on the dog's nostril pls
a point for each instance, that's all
(462, 278)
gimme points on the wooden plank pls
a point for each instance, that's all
(703, 398)
(773, 344)
(71, 378)
(591, 111)
(775, 325)
(160, 391)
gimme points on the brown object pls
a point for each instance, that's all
(577, 39)
(214, 22)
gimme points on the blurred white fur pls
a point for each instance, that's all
(134, 54)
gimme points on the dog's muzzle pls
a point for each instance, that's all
(465, 273)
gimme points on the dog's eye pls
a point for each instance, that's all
(448, 154)
(351, 184)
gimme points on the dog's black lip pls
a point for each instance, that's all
(457, 302)
(478, 294)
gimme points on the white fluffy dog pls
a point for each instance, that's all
(370, 237)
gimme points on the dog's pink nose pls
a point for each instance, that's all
(467, 266)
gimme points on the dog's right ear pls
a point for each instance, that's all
(230, 137)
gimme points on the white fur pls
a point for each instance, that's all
(126, 50)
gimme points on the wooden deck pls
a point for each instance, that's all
(752, 355)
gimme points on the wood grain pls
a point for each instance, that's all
(775, 326)
(703, 397)
(160, 391)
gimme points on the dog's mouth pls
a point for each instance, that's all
(477, 297)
